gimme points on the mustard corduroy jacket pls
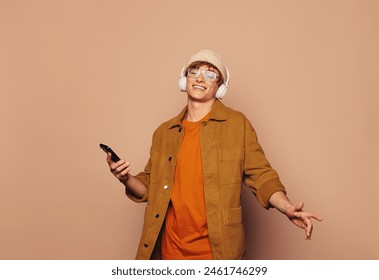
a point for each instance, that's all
(231, 156)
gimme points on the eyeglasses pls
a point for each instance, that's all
(208, 75)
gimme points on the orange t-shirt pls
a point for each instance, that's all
(185, 234)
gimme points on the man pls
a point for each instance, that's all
(192, 181)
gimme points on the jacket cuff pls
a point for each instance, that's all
(143, 178)
(267, 190)
(135, 198)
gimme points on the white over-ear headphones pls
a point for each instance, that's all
(221, 91)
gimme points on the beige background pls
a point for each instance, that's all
(77, 73)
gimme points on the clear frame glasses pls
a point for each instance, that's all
(208, 75)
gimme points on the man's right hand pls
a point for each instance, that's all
(119, 169)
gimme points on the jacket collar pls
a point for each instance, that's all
(218, 113)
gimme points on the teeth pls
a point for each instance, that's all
(199, 87)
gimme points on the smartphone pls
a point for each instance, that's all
(108, 149)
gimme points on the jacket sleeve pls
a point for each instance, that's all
(259, 176)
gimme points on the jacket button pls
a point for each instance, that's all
(170, 158)
(165, 187)
(157, 216)
(145, 245)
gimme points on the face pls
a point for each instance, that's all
(200, 89)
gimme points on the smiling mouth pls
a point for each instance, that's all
(199, 87)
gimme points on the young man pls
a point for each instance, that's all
(198, 163)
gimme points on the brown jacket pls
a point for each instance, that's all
(231, 156)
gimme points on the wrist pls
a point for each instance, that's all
(125, 179)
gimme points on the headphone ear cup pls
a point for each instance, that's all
(221, 91)
(183, 83)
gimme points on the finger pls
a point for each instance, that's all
(125, 172)
(122, 167)
(308, 229)
(115, 165)
(313, 216)
(318, 218)
(298, 214)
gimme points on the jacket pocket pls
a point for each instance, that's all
(231, 165)
(234, 234)
(232, 216)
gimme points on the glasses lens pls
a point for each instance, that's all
(193, 72)
(210, 76)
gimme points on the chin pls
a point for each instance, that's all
(200, 99)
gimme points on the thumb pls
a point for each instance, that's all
(298, 209)
(109, 158)
(299, 206)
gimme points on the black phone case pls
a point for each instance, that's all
(108, 149)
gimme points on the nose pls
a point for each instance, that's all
(200, 78)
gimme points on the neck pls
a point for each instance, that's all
(198, 110)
